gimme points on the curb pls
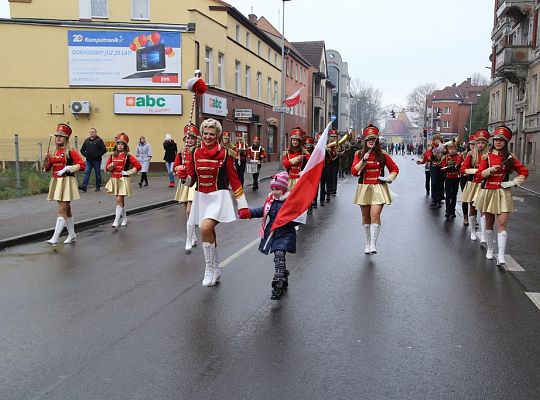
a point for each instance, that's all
(88, 223)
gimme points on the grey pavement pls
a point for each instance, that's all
(33, 217)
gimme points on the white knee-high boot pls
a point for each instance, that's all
(189, 235)
(483, 229)
(489, 244)
(374, 233)
(194, 236)
(501, 241)
(117, 217)
(72, 237)
(60, 223)
(210, 255)
(367, 250)
(472, 226)
(215, 266)
(124, 216)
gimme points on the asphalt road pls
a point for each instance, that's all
(124, 316)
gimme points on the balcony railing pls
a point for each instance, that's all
(513, 8)
(513, 56)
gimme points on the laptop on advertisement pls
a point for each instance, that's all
(150, 62)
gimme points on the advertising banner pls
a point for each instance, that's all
(215, 105)
(133, 103)
(124, 58)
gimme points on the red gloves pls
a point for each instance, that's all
(182, 172)
(244, 213)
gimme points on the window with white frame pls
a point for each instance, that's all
(140, 9)
(248, 37)
(275, 93)
(446, 124)
(269, 91)
(237, 72)
(209, 66)
(534, 94)
(99, 9)
(221, 70)
(447, 110)
(492, 108)
(259, 85)
(248, 81)
(238, 33)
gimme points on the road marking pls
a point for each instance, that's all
(535, 297)
(243, 250)
(512, 265)
(520, 199)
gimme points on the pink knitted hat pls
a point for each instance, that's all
(280, 181)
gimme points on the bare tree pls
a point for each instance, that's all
(365, 104)
(477, 79)
(416, 100)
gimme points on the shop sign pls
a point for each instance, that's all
(214, 105)
(133, 103)
(243, 113)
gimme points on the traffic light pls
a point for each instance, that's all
(438, 112)
(393, 113)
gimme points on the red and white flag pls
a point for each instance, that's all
(304, 191)
(293, 99)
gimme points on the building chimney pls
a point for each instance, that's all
(469, 80)
(252, 19)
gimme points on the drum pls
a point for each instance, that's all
(252, 167)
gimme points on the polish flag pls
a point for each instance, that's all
(293, 99)
(304, 191)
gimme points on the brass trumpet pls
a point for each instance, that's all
(339, 142)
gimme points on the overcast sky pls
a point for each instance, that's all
(393, 45)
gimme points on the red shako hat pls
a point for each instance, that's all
(310, 142)
(481, 134)
(502, 132)
(63, 130)
(239, 135)
(297, 133)
(256, 139)
(226, 134)
(191, 130)
(370, 132)
(122, 137)
(472, 138)
(333, 132)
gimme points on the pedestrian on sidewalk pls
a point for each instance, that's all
(186, 194)
(495, 197)
(93, 149)
(144, 155)
(450, 164)
(296, 156)
(170, 147)
(121, 165)
(255, 154)
(372, 192)
(283, 239)
(64, 163)
(213, 171)
(469, 167)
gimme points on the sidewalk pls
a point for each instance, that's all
(32, 218)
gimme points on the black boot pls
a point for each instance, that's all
(286, 279)
(277, 287)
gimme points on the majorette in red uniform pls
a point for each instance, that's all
(495, 197)
(63, 188)
(240, 160)
(255, 154)
(463, 179)
(295, 157)
(469, 168)
(213, 170)
(121, 165)
(372, 192)
(450, 164)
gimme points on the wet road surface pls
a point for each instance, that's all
(124, 316)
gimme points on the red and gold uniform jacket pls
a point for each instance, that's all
(470, 170)
(183, 158)
(371, 169)
(62, 158)
(241, 150)
(452, 164)
(213, 169)
(493, 179)
(256, 154)
(294, 169)
(122, 162)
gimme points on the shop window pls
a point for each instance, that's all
(99, 9)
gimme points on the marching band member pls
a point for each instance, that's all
(324, 188)
(240, 161)
(295, 157)
(469, 167)
(495, 198)
(426, 160)
(121, 165)
(63, 188)
(310, 146)
(437, 176)
(256, 153)
(334, 161)
(186, 194)
(463, 179)
(372, 192)
(213, 170)
(450, 164)
(226, 141)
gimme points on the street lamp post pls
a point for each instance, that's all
(282, 114)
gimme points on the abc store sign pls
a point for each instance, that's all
(147, 104)
(214, 105)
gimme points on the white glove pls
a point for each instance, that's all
(63, 171)
(509, 184)
(125, 173)
(384, 179)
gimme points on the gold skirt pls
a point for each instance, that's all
(63, 189)
(494, 201)
(292, 182)
(184, 193)
(367, 194)
(119, 186)
(469, 192)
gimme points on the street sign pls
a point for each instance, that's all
(280, 109)
(333, 118)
